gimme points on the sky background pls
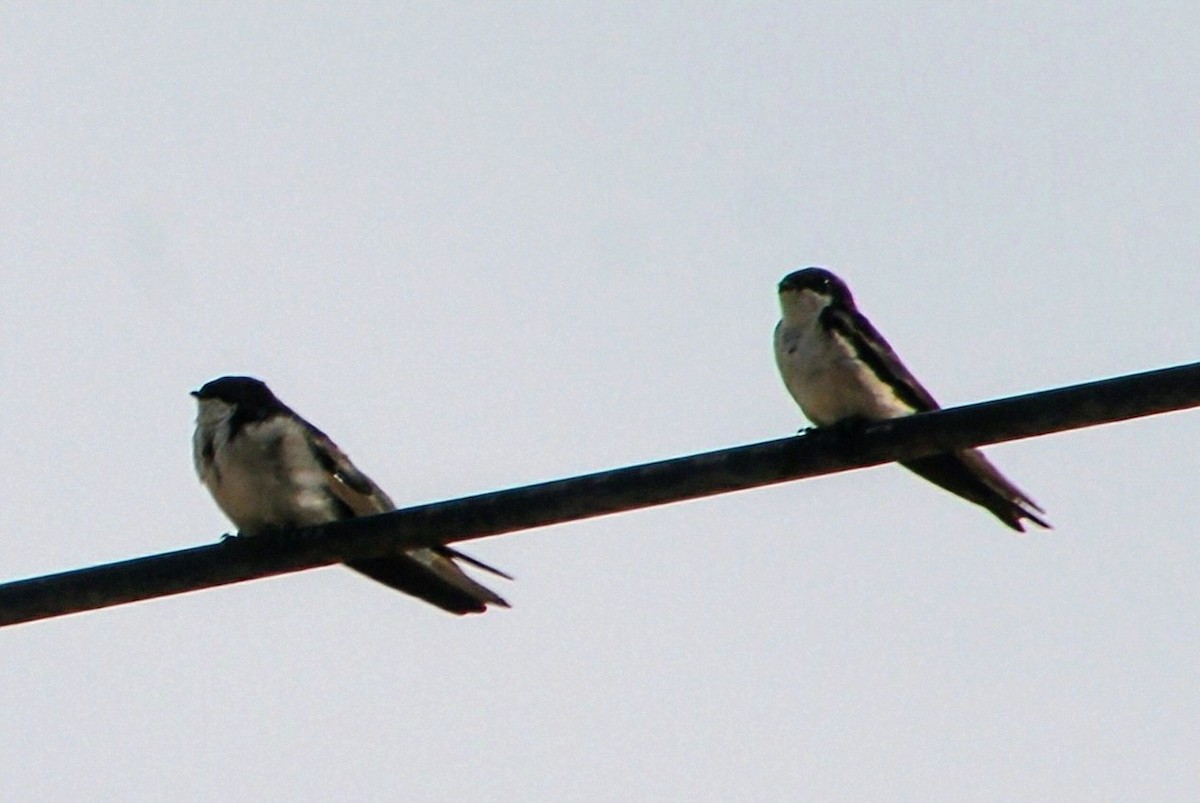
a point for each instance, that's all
(483, 245)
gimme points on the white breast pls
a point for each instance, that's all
(266, 477)
(827, 380)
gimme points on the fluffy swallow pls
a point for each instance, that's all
(269, 469)
(839, 369)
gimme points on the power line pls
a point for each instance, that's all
(738, 468)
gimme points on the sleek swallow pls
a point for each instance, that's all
(839, 369)
(269, 469)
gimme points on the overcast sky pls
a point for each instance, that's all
(482, 246)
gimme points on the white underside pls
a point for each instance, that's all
(268, 478)
(827, 380)
(265, 478)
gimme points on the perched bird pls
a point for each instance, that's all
(269, 469)
(839, 369)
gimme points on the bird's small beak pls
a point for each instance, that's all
(194, 393)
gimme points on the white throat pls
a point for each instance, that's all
(801, 309)
(212, 412)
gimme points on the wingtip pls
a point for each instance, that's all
(482, 607)
(492, 598)
(479, 604)
(439, 582)
(1025, 512)
(476, 562)
(1016, 520)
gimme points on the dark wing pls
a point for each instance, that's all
(428, 574)
(973, 477)
(966, 473)
(431, 577)
(877, 354)
(355, 489)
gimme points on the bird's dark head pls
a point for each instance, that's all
(808, 291)
(818, 281)
(244, 392)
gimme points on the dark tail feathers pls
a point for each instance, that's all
(972, 476)
(433, 576)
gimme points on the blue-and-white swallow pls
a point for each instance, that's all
(269, 469)
(839, 369)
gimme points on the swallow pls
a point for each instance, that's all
(840, 370)
(268, 469)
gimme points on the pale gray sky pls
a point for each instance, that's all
(484, 245)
